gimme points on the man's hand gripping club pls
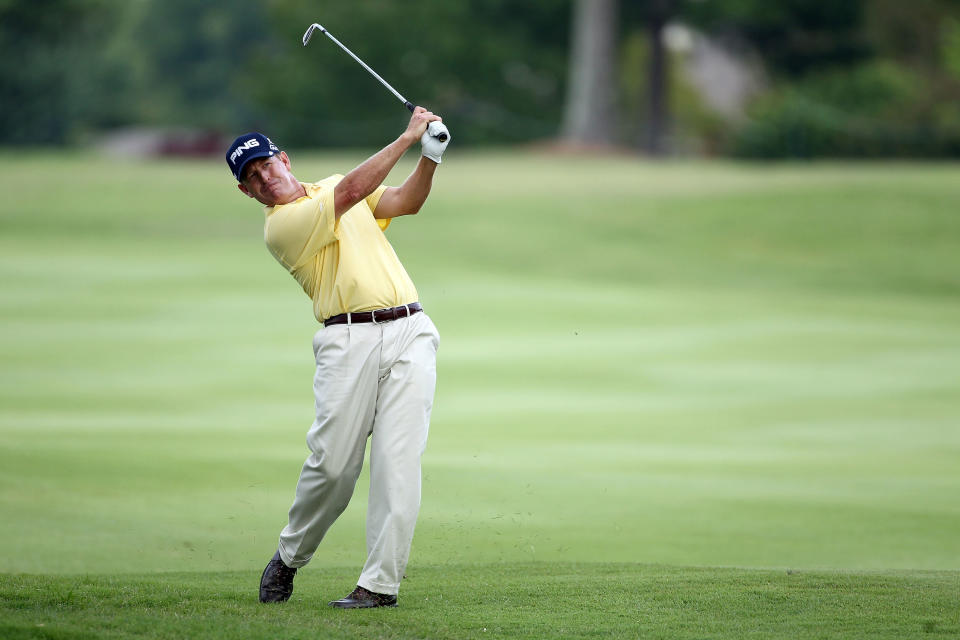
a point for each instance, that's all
(434, 138)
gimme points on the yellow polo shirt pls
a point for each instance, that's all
(344, 266)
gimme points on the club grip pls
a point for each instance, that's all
(409, 105)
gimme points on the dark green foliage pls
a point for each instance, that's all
(196, 60)
(850, 79)
(75, 66)
(84, 65)
(48, 66)
(878, 109)
(793, 37)
(496, 70)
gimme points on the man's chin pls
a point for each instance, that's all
(272, 198)
(275, 197)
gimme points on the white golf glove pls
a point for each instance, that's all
(430, 141)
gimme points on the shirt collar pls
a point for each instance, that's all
(311, 190)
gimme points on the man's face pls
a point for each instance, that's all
(270, 180)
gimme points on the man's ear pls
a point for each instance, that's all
(285, 159)
(244, 189)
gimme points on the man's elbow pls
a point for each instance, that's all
(344, 199)
(403, 207)
(380, 213)
(412, 205)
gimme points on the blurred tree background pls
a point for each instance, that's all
(751, 78)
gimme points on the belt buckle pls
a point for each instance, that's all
(373, 316)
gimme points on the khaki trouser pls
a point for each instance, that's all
(372, 380)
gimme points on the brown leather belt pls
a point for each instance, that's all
(375, 316)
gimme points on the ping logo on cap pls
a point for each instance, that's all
(249, 144)
(246, 148)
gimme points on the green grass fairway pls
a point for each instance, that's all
(525, 601)
(675, 400)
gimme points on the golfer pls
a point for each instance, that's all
(375, 353)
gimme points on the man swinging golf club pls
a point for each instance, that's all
(375, 353)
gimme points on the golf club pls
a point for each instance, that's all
(409, 105)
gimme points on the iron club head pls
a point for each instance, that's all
(309, 32)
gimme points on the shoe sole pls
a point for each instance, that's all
(338, 605)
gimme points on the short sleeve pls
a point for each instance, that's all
(373, 200)
(298, 231)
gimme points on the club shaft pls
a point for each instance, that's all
(363, 64)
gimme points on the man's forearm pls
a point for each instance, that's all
(410, 196)
(417, 186)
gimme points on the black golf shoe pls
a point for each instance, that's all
(276, 583)
(360, 598)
